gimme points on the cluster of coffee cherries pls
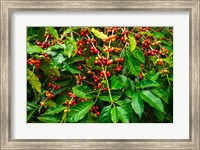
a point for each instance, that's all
(72, 95)
(111, 49)
(144, 29)
(95, 110)
(80, 46)
(43, 45)
(137, 36)
(70, 103)
(103, 60)
(107, 73)
(54, 86)
(35, 62)
(112, 29)
(79, 79)
(93, 50)
(119, 67)
(46, 56)
(49, 95)
(163, 51)
(146, 43)
(159, 61)
(164, 71)
(111, 38)
(96, 78)
(152, 52)
(83, 32)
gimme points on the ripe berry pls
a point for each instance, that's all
(97, 113)
(42, 103)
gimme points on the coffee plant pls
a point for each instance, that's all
(99, 74)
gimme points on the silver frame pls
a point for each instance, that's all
(8, 7)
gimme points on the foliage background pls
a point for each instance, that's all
(99, 74)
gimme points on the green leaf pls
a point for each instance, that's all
(158, 35)
(32, 104)
(114, 115)
(54, 110)
(99, 34)
(76, 59)
(152, 100)
(122, 114)
(41, 33)
(69, 49)
(152, 76)
(73, 42)
(72, 69)
(90, 61)
(50, 103)
(82, 91)
(132, 64)
(129, 93)
(160, 93)
(147, 84)
(127, 106)
(125, 81)
(169, 61)
(107, 97)
(105, 116)
(59, 58)
(145, 33)
(68, 30)
(34, 81)
(33, 49)
(116, 83)
(132, 41)
(78, 111)
(48, 69)
(30, 114)
(138, 54)
(137, 104)
(159, 115)
(53, 32)
(49, 118)
(56, 47)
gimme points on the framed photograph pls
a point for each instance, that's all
(100, 74)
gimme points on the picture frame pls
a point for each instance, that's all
(8, 7)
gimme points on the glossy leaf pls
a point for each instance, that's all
(137, 104)
(50, 103)
(147, 84)
(105, 116)
(107, 97)
(49, 118)
(114, 115)
(160, 93)
(132, 64)
(139, 55)
(31, 49)
(59, 59)
(152, 100)
(122, 114)
(53, 32)
(55, 110)
(116, 83)
(99, 34)
(132, 41)
(34, 81)
(152, 76)
(72, 69)
(76, 59)
(158, 35)
(82, 91)
(78, 111)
